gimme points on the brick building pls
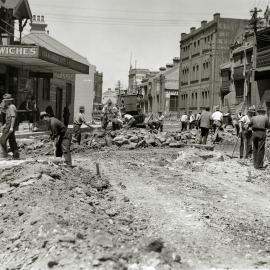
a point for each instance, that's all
(202, 51)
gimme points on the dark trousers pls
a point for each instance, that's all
(77, 133)
(184, 126)
(259, 138)
(204, 135)
(63, 147)
(161, 127)
(10, 137)
(246, 142)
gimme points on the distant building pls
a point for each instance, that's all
(202, 51)
(98, 85)
(109, 94)
(160, 89)
(136, 75)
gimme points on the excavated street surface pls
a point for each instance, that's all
(151, 208)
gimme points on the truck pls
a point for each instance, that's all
(132, 104)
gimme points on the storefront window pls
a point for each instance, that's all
(46, 89)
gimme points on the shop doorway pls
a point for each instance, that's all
(59, 103)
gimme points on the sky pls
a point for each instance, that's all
(114, 33)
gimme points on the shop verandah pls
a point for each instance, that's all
(38, 77)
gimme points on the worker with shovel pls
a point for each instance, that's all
(61, 137)
(245, 133)
(259, 125)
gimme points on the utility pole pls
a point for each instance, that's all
(254, 23)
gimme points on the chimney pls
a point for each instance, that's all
(183, 35)
(216, 16)
(169, 66)
(176, 61)
(38, 24)
(162, 69)
(203, 23)
(192, 29)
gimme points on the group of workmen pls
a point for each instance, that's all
(251, 128)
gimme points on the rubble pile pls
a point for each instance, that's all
(53, 217)
(135, 138)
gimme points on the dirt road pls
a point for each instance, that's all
(215, 211)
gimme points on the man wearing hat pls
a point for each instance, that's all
(60, 135)
(107, 114)
(78, 121)
(217, 118)
(8, 130)
(161, 120)
(245, 133)
(259, 124)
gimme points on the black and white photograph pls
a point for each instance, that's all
(135, 135)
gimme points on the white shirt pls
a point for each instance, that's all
(245, 120)
(184, 118)
(128, 116)
(217, 116)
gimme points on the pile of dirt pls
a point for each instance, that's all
(53, 217)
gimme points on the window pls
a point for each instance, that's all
(46, 89)
(68, 93)
(203, 65)
(198, 43)
(194, 44)
(173, 103)
(197, 67)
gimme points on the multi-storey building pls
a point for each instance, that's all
(135, 77)
(160, 89)
(202, 51)
(98, 84)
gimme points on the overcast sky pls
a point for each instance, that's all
(107, 32)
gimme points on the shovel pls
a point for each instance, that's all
(234, 148)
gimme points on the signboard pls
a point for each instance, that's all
(18, 51)
(60, 60)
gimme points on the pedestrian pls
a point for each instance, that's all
(245, 133)
(61, 137)
(8, 130)
(205, 124)
(78, 121)
(259, 125)
(129, 120)
(66, 115)
(217, 118)
(184, 121)
(161, 120)
(191, 121)
(197, 119)
(235, 120)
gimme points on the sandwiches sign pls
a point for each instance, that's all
(18, 51)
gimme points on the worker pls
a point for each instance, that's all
(8, 129)
(184, 121)
(78, 121)
(107, 114)
(245, 133)
(129, 120)
(117, 123)
(205, 124)
(217, 118)
(191, 121)
(197, 120)
(259, 124)
(160, 121)
(61, 137)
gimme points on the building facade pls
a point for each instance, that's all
(109, 94)
(66, 90)
(202, 51)
(98, 86)
(160, 89)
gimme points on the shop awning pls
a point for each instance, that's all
(40, 59)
